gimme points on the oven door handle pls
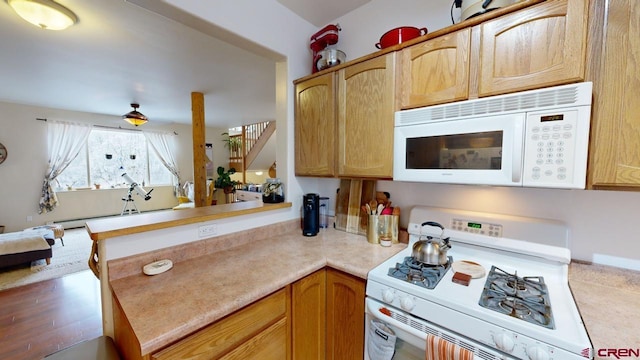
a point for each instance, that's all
(393, 322)
(373, 309)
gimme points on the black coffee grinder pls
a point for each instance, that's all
(310, 214)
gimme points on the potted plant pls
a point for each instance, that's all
(233, 143)
(224, 181)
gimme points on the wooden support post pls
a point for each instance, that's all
(199, 154)
(244, 154)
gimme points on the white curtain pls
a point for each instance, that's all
(160, 143)
(64, 142)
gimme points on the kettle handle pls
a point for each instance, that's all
(432, 223)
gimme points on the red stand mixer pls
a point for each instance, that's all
(323, 57)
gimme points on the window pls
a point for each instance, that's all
(110, 153)
(76, 174)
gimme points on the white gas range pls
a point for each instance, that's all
(538, 321)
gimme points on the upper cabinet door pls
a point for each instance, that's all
(614, 151)
(366, 106)
(315, 127)
(543, 45)
(436, 71)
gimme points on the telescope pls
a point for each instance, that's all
(139, 190)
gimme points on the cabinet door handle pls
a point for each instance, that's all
(517, 153)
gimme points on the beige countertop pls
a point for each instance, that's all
(609, 301)
(102, 229)
(164, 308)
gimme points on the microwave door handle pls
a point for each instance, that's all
(516, 155)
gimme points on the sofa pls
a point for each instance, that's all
(25, 246)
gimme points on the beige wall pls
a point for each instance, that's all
(22, 173)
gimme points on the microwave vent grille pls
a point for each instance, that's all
(512, 104)
(495, 105)
(466, 109)
(452, 111)
(568, 95)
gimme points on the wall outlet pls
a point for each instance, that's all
(207, 230)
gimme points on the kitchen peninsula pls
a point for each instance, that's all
(145, 314)
(127, 236)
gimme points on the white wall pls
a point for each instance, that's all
(22, 174)
(363, 27)
(275, 27)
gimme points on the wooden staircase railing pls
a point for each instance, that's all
(253, 139)
(235, 152)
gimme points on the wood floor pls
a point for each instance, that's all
(42, 318)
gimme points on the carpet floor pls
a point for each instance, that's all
(67, 259)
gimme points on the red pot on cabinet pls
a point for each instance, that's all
(399, 35)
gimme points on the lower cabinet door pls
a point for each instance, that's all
(345, 316)
(308, 307)
(271, 344)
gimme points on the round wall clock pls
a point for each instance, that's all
(3, 153)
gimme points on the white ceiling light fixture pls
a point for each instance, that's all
(45, 14)
(134, 117)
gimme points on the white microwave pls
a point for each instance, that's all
(537, 138)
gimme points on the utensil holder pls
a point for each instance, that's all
(372, 230)
(382, 224)
(395, 220)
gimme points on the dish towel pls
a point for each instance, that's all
(381, 344)
(441, 349)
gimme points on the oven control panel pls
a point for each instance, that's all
(476, 227)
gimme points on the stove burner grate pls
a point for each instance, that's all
(418, 273)
(524, 298)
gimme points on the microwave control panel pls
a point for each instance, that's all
(555, 149)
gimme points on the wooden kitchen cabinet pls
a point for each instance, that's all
(436, 71)
(359, 115)
(366, 106)
(269, 344)
(535, 47)
(315, 126)
(614, 152)
(539, 46)
(328, 316)
(258, 331)
(345, 316)
(308, 309)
